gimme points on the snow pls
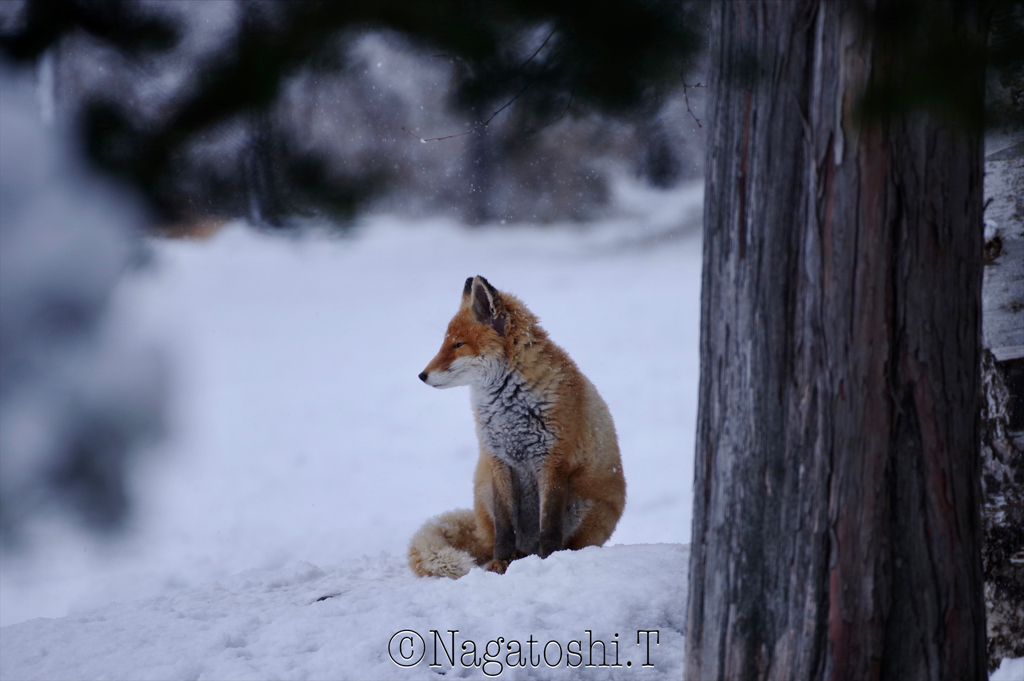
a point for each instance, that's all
(1009, 670)
(369, 618)
(300, 435)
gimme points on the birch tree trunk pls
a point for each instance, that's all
(836, 530)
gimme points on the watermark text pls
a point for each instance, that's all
(408, 648)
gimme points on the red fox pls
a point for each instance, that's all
(549, 475)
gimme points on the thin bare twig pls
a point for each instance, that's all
(478, 126)
(455, 57)
(505, 106)
(687, 100)
(523, 65)
(555, 120)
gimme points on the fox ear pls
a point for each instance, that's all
(487, 304)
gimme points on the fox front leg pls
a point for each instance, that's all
(504, 532)
(552, 514)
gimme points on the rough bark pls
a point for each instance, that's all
(1002, 455)
(836, 531)
(1002, 421)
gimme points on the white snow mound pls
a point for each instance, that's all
(584, 612)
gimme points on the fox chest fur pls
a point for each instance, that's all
(511, 425)
(511, 420)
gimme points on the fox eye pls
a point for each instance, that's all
(458, 345)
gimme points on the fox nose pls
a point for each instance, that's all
(423, 376)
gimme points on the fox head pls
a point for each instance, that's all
(476, 342)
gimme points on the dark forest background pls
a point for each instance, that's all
(279, 111)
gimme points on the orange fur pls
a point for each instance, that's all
(549, 476)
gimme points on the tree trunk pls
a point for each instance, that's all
(262, 172)
(836, 530)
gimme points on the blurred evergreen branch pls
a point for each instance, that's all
(609, 54)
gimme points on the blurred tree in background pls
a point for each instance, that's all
(273, 110)
(78, 397)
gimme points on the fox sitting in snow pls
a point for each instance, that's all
(549, 475)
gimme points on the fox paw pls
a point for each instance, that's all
(496, 565)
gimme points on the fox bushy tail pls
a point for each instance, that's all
(447, 545)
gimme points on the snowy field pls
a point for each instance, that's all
(302, 452)
(593, 614)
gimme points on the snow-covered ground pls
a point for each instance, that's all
(592, 614)
(300, 436)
